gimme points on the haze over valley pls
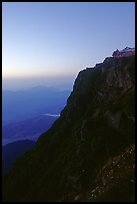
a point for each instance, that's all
(28, 113)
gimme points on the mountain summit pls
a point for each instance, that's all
(88, 153)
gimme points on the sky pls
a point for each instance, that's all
(48, 43)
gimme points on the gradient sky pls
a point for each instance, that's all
(57, 40)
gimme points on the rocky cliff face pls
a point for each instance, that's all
(76, 160)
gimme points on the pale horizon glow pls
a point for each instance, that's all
(40, 74)
(56, 40)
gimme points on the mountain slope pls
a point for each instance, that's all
(94, 128)
(11, 152)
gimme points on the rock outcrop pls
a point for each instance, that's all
(71, 161)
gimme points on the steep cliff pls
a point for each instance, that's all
(73, 161)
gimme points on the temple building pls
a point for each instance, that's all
(124, 53)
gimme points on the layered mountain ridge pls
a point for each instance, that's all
(94, 130)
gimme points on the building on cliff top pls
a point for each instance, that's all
(124, 53)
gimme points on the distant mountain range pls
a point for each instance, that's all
(27, 129)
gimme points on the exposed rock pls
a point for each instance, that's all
(113, 119)
(117, 169)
